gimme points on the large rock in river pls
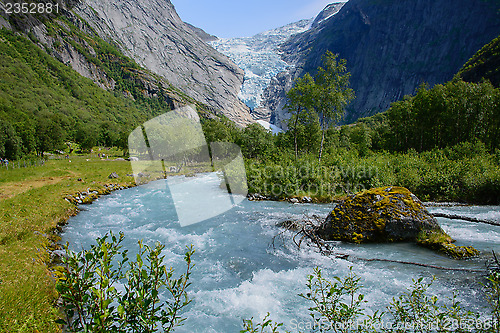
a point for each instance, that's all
(388, 214)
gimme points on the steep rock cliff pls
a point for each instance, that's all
(391, 47)
(69, 38)
(153, 35)
(327, 12)
(202, 33)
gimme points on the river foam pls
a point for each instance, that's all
(240, 274)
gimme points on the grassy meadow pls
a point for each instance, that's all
(32, 206)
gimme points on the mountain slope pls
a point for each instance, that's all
(152, 34)
(60, 82)
(201, 33)
(327, 13)
(391, 47)
(485, 64)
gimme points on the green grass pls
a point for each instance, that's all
(31, 207)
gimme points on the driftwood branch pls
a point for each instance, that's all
(466, 218)
(426, 265)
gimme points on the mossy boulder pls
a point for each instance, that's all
(389, 214)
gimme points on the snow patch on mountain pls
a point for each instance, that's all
(259, 57)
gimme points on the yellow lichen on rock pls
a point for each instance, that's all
(357, 238)
(459, 252)
(384, 214)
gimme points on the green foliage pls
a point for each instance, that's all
(220, 130)
(332, 93)
(445, 116)
(46, 102)
(493, 295)
(300, 99)
(324, 96)
(10, 142)
(256, 142)
(466, 172)
(36, 89)
(484, 65)
(416, 310)
(92, 303)
(266, 325)
(338, 306)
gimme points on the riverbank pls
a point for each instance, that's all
(32, 210)
(241, 266)
(35, 203)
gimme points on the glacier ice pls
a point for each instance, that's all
(259, 57)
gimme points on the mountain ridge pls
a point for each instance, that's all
(484, 65)
(388, 57)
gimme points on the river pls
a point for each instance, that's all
(239, 274)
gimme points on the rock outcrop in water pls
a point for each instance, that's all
(391, 47)
(390, 214)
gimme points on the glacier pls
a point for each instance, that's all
(259, 57)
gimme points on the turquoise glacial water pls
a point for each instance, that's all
(239, 274)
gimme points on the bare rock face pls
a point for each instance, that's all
(327, 13)
(391, 47)
(153, 35)
(389, 214)
(202, 34)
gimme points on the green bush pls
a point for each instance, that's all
(92, 303)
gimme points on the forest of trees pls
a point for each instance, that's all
(441, 143)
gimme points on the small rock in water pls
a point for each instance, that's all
(307, 199)
(256, 197)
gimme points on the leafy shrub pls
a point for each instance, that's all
(92, 301)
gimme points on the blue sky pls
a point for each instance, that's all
(236, 18)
